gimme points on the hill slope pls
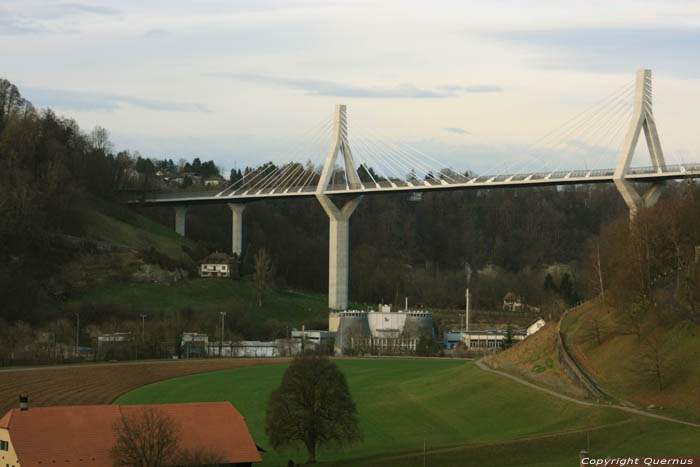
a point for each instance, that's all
(625, 363)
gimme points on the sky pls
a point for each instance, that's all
(471, 83)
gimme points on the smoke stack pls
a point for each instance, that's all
(466, 310)
(23, 402)
(583, 458)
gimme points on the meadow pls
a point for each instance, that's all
(284, 305)
(464, 416)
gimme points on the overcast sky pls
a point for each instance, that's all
(239, 82)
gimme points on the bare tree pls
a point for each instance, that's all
(264, 272)
(99, 137)
(598, 268)
(653, 363)
(200, 456)
(147, 440)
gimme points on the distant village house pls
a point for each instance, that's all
(217, 265)
(512, 302)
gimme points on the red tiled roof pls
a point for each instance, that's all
(5, 420)
(83, 435)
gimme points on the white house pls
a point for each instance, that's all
(216, 265)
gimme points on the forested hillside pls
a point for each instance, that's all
(423, 248)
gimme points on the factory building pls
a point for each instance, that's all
(379, 332)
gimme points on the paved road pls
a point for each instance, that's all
(484, 367)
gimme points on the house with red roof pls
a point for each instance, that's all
(85, 435)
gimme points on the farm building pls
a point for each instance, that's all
(216, 265)
(379, 331)
(77, 435)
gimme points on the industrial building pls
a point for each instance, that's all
(383, 332)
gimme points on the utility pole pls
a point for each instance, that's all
(77, 334)
(143, 327)
(223, 315)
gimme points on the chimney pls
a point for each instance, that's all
(583, 455)
(466, 309)
(24, 402)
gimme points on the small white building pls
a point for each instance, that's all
(486, 339)
(114, 337)
(317, 339)
(216, 265)
(243, 349)
(534, 327)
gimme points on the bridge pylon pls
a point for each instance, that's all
(642, 119)
(339, 235)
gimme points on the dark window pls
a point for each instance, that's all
(4, 446)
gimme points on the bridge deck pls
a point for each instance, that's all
(457, 182)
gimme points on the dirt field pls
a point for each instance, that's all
(102, 383)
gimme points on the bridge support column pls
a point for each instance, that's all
(237, 228)
(643, 119)
(180, 212)
(339, 239)
(338, 250)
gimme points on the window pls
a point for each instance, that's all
(4, 446)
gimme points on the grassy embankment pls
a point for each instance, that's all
(286, 306)
(466, 416)
(138, 232)
(622, 363)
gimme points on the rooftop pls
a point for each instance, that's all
(76, 434)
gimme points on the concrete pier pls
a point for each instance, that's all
(339, 251)
(180, 213)
(237, 228)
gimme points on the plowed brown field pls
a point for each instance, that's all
(100, 383)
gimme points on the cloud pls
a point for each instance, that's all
(77, 100)
(331, 88)
(479, 88)
(157, 32)
(10, 26)
(669, 50)
(458, 131)
(61, 10)
(29, 18)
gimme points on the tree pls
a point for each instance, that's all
(508, 342)
(152, 439)
(653, 363)
(312, 406)
(147, 440)
(264, 273)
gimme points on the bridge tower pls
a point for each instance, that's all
(339, 238)
(643, 118)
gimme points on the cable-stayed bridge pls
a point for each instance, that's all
(368, 164)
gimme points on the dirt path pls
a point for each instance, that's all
(484, 367)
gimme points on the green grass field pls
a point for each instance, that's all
(283, 305)
(465, 416)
